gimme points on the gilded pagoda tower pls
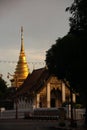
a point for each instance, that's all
(22, 70)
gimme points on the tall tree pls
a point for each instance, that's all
(67, 58)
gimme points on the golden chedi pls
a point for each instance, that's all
(22, 70)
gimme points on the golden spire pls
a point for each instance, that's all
(22, 70)
(22, 40)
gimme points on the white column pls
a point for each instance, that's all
(38, 100)
(48, 95)
(74, 97)
(63, 93)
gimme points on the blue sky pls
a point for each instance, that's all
(43, 22)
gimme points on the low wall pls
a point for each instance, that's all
(11, 114)
(77, 114)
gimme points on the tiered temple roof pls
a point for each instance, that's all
(34, 81)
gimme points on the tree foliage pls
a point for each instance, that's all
(67, 58)
(78, 19)
(3, 88)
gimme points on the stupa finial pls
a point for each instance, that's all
(22, 39)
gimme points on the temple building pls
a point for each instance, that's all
(42, 90)
(22, 69)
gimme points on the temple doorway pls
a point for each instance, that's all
(53, 102)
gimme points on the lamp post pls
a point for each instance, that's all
(16, 100)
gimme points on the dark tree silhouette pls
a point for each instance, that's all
(78, 19)
(67, 57)
(3, 88)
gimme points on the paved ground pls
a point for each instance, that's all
(22, 124)
(27, 125)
